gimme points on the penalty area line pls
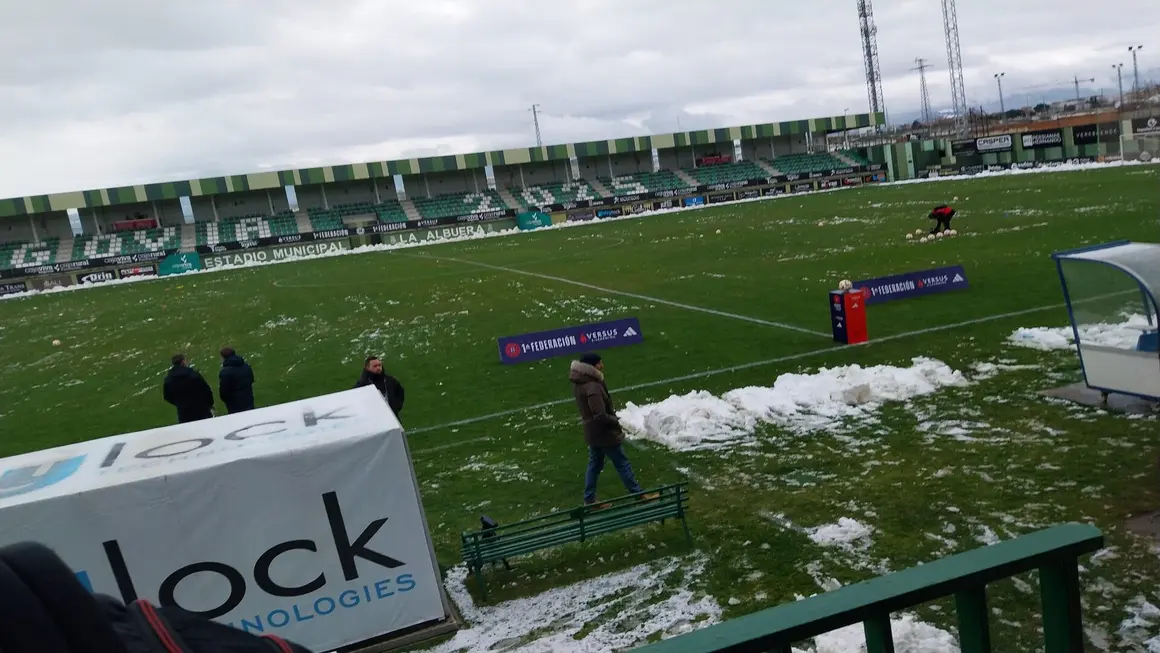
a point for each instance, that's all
(647, 298)
(744, 366)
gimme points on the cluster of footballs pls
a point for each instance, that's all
(923, 237)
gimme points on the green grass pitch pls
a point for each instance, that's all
(434, 313)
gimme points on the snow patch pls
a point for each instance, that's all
(800, 403)
(643, 600)
(848, 534)
(1124, 335)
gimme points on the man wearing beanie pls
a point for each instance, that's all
(602, 430)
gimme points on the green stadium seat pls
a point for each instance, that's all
(545, 194)
(854, 156)
(125, 242)
(23, 253)
(728, 173)
(451, 206)
(801, 164)
(644, 182)
(248, 227)
(325, 219)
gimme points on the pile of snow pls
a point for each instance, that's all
(641, 601)
(910, 636)
(801, 403)
(848, 534)
(1124, 335)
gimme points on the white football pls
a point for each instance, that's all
(924, 239)
(918, 232)
(821, 224)
(940, 234)
(954, 233)
(845, 284)
(55, 343)
(910, 236)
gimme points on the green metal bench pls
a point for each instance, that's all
(1054, 552)
(492, 545)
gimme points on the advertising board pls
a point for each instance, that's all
(327, 541)
(529, 347)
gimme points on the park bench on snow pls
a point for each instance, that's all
(498, 543)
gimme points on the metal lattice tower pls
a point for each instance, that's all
(927, 112)
(536, 121)
(955, 64)
(870, 57)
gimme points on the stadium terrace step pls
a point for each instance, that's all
(302, 220)
(599, 188)
(64, 251)
(509, 199)
(188, 237)
(686, 177)
(410, 210)
(844, 158)
(765, 165)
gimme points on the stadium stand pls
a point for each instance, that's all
(853, 155)
(546, 194)
(729, 172)
(125, 242)
(246, 228)
(644, 182)
(450, 206)
(805, 163)
(23, 254)
(324, 219)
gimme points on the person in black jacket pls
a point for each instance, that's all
(387, 385)
(186, 389)
(235, 382)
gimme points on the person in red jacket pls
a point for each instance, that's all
(943, 214)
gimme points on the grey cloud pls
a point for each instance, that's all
(134, 90)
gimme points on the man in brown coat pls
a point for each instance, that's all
(602, 430)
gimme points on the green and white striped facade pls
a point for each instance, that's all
(258, 181)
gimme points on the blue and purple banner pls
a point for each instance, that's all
(913, 284)
(529, 347)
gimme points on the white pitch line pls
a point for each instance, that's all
(647, 298)
(746, 366)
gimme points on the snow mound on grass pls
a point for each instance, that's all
(848, 534)
(910, 636)
(1121, 336)
(640, 602)
(802, 403)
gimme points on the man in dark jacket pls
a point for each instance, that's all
(186, 389)
(942, 214)
(235, 382)
(602, 431)
(387, 385)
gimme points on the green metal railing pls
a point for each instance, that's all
(1053, 552)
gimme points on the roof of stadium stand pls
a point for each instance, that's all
(172, 190)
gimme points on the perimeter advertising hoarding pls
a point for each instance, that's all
(328, 544)
(528, 347)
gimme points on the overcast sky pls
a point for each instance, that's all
(117, 92)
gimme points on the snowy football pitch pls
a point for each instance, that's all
(824, 489)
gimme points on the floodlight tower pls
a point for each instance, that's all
(536, 121)
(955, 64)
(870, 56)
(924, 94)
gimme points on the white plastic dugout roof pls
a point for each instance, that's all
(1111, 369)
